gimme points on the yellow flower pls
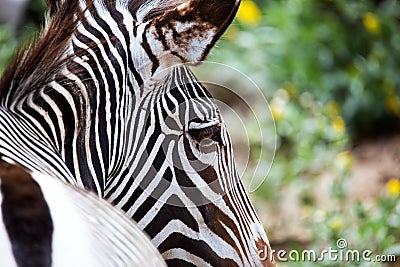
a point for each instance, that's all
(278, 109)
(332, 109)
(392, 103)
(393, 187)
(343, 160)
(371, 23)
(249, 13)
(338, 125)
(336, 223)
(278, 104)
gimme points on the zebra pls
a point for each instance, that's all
(49, 223)
(101, 101)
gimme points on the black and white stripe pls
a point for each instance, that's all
(49, 223)
(119, 116)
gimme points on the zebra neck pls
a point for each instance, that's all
(20, 142)
(84, 121)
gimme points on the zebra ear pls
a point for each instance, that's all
(191, 29)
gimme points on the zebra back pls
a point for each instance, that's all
(45, 222)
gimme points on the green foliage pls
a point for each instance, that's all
(370, 225)
(8, 45)
(11, 37)
(342, 51)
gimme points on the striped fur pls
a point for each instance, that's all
(110, 109)
(49, 223)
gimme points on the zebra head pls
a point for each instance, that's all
(185, 192)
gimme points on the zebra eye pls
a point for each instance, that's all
(207, 133)
(211, 133)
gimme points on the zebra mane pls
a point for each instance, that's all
(36, 63)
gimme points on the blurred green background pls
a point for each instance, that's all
(329, 70)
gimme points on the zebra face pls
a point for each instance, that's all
(186, 192)
(199, 211)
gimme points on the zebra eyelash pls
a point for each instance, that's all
(209, 133)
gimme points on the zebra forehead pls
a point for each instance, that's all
(148, 9)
